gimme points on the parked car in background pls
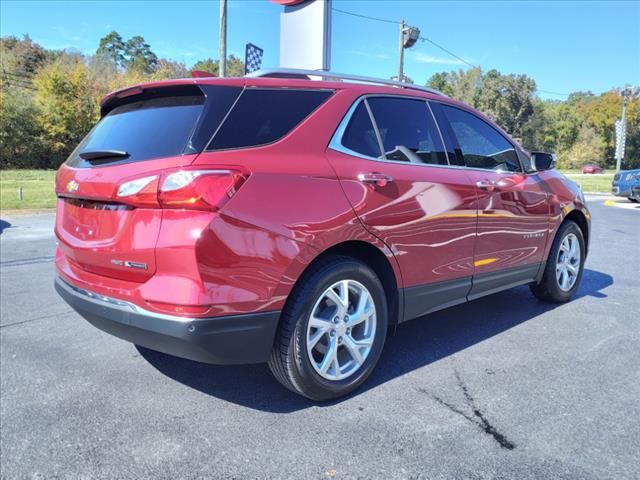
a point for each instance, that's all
(296, 221)
(591, 168)
(635, 192)
(623, 182)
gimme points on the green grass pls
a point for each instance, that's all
(598, 183)
(37, 187)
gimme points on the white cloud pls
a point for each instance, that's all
(425, 58)
(381, 56)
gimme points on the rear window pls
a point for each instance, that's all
(158, 123)
(262, 116)
(157, 127)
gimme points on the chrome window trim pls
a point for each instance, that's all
(336, 140)
(372, 119)
(444, 145)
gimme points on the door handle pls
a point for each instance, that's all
(379, 179)
(488, 185)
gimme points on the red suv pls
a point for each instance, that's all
(297, 217)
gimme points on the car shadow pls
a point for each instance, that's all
(416, 344)
(4, 225)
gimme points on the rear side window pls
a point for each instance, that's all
(407, 130)
(262, 116)
(151, 128)
(360, 136)
(482, 145)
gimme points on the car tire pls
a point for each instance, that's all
(559, 281)
(634, 200)
(313, 371)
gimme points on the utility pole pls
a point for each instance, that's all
(401, 53)
(223, 39)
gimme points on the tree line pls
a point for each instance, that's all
(49, 99)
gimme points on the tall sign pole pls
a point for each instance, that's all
(223, 39)
(305, 34)
(621, 125)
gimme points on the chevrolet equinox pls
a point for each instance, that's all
(296, 217)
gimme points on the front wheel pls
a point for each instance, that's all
(332, 330)
(564, 267)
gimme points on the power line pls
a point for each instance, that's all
(554, 93)
(425, 39)
(366, 16)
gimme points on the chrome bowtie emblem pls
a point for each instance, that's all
(72, 186)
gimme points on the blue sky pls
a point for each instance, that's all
(564, 46)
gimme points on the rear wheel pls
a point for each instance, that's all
(634, 200)
(564, 267)
(332, 330)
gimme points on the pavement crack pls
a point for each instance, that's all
(26, 261)
(22, 322)
(477, 418)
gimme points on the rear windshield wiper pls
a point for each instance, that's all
(103, 154)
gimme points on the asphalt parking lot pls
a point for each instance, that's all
(503, 387)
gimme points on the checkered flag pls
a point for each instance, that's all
(252, 58)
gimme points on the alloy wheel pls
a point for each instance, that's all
(568, 262)
(341, 330)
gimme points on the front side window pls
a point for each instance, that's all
(407, 130)
(482, 145)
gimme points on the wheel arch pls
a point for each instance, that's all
(379, 260)
(578, 217)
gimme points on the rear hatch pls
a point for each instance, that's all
(108, 218)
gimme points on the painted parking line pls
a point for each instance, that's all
(623, 204)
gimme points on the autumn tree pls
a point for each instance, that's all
(66, 103)
(235, 66)
(112, 46)
(135, 53)
(138, 55)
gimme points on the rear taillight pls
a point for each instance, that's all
(199, 189)
(141, 192)
(192, 189)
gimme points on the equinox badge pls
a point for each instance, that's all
(127, 263)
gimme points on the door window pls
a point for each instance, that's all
(407, 130)
(360, 136)
(482, 145)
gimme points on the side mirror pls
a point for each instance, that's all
(543, 160)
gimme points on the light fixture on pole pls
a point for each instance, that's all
(408, 37)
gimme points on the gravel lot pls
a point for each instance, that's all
(503, 387)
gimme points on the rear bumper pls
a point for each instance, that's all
(619, 191)
(235, 339)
